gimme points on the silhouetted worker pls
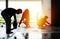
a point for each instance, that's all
(25, 18)
(42, 22)
(7, 14)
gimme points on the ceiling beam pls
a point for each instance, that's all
(21, 0)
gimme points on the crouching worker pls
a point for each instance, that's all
(25, 18)
(42, 23)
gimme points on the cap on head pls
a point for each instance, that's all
(26, 11)
(19, 11)
(46, 16)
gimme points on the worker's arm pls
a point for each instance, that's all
(47, 22)
(21, 20)
(15, 20)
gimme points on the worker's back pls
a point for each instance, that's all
(9, 11)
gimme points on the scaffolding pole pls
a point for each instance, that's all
(6, 3)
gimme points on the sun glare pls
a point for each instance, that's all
(36, 13)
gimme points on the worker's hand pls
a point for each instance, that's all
(18, 25)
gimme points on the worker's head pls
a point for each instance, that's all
(19, 11)
(26, 11)
(45, 17)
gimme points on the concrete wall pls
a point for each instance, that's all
(46, 5)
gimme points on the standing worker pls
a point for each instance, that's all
(7, 14)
